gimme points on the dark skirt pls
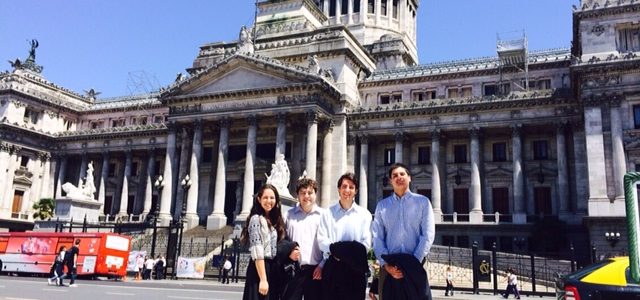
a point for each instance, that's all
(253, 281)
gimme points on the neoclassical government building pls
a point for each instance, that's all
(503, 146)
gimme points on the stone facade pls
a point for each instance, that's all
(497, 149)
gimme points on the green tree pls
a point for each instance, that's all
(43, 209)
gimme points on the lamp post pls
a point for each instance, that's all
(612, 237)
(185, 184)
(159, 184)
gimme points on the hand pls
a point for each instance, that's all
(317, 273)
(393, 271)
(263, 287)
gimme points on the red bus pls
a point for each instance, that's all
(34, 252)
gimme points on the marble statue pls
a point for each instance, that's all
(85, 191)
(279, 176)
(245, 43)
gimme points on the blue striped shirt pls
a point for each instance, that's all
(403, 225)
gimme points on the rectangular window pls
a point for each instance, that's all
(544, 84)
(389, 156)
(158, 168)
(394, 12)
(134, 169)
(371, 6)
(30, 116)
(500, 152)
(344, 8)
(636, 116)
(542, 200)
(500, 200)
(112, 170)
(332, 8)
(461, 201)
(460, 154)
(629, 39)
(158, 119)
(397, 98)
(466, 92)
(356, 6)
(207, 154)
(430, 95)
(24, 161)
(505, 88)
(424, 155)
(383, 7)
(540, 150)
(489, 90)
(418, 96)
(452, 93)
(384, 99)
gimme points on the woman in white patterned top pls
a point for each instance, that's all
(262, 231)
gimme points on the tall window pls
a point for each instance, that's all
(356, 6)
(371, 6)
(394, 12)
(383, 7)
(112, 170)
(500, 152)
(24, 161)
(332, 8)
(461, 201)
(540, 150)
(636, 116)
(424, 155)
(466, 92)
(629, 39)
(544, 84)
(30, 116)
(542, 200)
(207, 154)
(389, 156)
(460, 154)
(384, 99)
(489, 89)
(134, 169)
(452, 93)
(344, 8)
(500, 200)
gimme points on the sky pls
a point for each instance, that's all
(125, 47)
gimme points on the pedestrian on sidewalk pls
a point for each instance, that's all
(226, 268)
(149, 263)
(71, 261)
(159, 267)
(58, 267)
(512, 284)
(139, 266)
(449, 290)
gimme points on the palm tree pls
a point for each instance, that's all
(44, 209)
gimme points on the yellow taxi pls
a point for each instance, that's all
(606, 280)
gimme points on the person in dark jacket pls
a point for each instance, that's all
(412, 284)
(344, 273)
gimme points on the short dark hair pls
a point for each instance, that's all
(77, 241)
(305, 182)
(350, 176)
(398, 165)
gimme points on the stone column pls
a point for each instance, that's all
(436, 198)
(475, 215)
(312, 144)
(338, 12)
(399, 146)
(11, 169)
(83, 169)
(619, 161)
(325, 8)
(378, 11)
(104, 179)
(350, 11)
(62, 173)
(150, 176)
(351, 152)
(363, 193)
(47, 180)
(563, 170)
(599, 204)
(181, 199)
(248, 187)
(193, 193)
(217, 219)
(518, 210)
(281, 135)
(124, 195)
(325, 195)
(167, 177)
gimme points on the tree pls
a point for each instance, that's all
(43, 209)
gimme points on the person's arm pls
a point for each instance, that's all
(263, 286)
(75, 258)
(366, 230)
(427, 232)
(324, 234)
(378, 236)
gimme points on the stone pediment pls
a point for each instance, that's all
(244, 72)
(241, 78)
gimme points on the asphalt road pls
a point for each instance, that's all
(26, 288)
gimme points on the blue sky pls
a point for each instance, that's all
(124, 47)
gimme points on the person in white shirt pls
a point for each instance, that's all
(226, 268)
(148, 267)
(345, 221)
(302, 224)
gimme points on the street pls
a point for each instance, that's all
(28, 288)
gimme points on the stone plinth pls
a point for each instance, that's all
(76, 209)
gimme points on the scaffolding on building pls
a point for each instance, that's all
(512, 54)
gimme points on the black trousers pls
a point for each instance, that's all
(303, 285)
(345, 284)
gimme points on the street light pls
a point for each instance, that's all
(612, 238)
(159, 184)
(185, 184)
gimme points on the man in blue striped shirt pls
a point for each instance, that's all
(403, 223)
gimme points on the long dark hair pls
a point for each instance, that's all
(274, 218)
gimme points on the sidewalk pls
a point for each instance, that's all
(439, 295)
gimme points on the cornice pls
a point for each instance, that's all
(463, 105)
(114, 132)
(597, 9)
